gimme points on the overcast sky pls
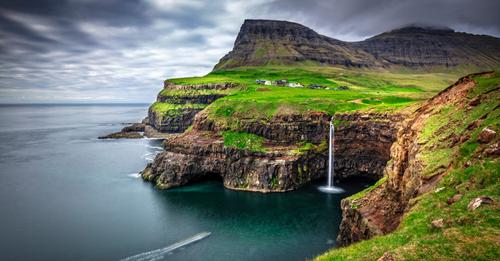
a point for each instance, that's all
(122, 50)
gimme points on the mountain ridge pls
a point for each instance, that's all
(274, 42)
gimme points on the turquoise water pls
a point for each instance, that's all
(67, 196)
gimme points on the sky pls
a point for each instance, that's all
(103, 51)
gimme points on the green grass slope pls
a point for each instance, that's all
(470, 170)
(368, 90)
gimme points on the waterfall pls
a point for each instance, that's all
(330, 187)
(331, 155)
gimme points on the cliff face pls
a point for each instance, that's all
(177, 105)
(197, 155)
(363, 142)
(201, 154)
(426, 149)
(263, 42)
(283, 129)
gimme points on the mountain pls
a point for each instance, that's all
(263, 42)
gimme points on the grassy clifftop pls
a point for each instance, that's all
(452, 144)
(367, 90)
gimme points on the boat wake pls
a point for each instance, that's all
(159, 254)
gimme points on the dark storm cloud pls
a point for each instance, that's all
(105, 50)
(358, 19)
(121, 50)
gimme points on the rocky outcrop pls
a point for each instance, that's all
(122, 135)
(198, 155)
(263, 42)
(133, 131)
(380, 210)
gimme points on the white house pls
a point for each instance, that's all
(295, 85)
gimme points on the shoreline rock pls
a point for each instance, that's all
(134, 131)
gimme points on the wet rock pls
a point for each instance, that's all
(477, 202)
(123, 135)
(438, 223)
(486, 135)
(454, 199)
(136, 127)
(129, 132)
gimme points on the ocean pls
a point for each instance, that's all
(65, 195)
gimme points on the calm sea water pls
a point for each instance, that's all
(65, 195)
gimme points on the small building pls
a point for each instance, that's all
(280, 82)
(295, 85)
(260, 81)
(316, 86)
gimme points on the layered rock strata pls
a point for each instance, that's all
(380, 211)
(283, 129)
(363, 142)
(182, 97)
(198, 155)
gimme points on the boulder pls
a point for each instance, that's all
(454, 199)
(486, 135)
(438, 223)
(477, 202)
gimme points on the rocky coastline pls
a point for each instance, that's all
(363, 146)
